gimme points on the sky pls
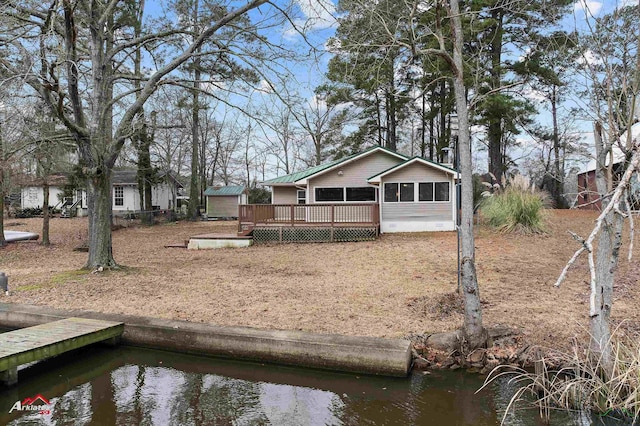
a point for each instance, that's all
(316, 20)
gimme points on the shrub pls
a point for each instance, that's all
(516, 206)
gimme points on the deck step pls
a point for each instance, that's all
(177, 245)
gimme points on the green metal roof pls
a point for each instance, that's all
(294, 177)
(225, 190)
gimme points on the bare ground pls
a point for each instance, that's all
(393, 287)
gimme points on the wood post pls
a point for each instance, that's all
(333, 209)
(9, 377)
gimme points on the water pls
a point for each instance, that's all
(128, 386)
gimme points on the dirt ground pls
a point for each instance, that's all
(395, 286)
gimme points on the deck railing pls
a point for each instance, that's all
(333, 215)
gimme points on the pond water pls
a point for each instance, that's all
(130, 386)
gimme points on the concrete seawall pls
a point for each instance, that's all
(368, 355)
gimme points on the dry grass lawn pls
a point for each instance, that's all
(392, 287)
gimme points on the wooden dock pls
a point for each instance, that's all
(43, 341)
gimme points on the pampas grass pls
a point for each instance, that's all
(515, 206)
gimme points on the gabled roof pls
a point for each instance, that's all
(301, 178)
(225, 190)
(54, 179)
(124, 177)
(130, 177)
(376, 178)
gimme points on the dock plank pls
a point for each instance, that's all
(46, 340)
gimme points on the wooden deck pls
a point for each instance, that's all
(43, 341)
(342, 215)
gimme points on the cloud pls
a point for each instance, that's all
(317, 15)
(589, 7)
(535, 95)
(264, 87)
(625, 3)
(589, 58)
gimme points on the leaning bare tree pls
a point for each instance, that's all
(611, 65)
(82, 70)
(436, 30)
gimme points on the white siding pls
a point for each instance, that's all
(354, 174)
(33, 196)
(161, 196)
(131, 198)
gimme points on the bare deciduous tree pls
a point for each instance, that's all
(85, 80)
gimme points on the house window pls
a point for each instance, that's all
(442, 191)
(302, 196)
(329, 194)
(118, 196)
(390, 192)
(425, 191)
(365, 193)
(406, 192)
(433, 191)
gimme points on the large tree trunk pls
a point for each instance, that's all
(606, 260)
(45, 214)
(392, 119)
(99, 202)
(475, 334)
(558, 173)
(3, 242)
(494, 127)
(3, 162)
(193, 208)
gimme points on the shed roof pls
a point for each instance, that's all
(224, 191)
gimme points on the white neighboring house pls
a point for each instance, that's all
(125, 195)
(32, 195)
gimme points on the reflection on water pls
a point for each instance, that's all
(126, 386)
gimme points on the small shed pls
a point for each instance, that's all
(223, 201)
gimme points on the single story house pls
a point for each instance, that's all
(32, 194)
(377, 186)
(126, 196)
(223, 201)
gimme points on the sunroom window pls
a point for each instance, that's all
(406, 192)
(442, 191)
(425, 191)
(433, 191)
(390, 192)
